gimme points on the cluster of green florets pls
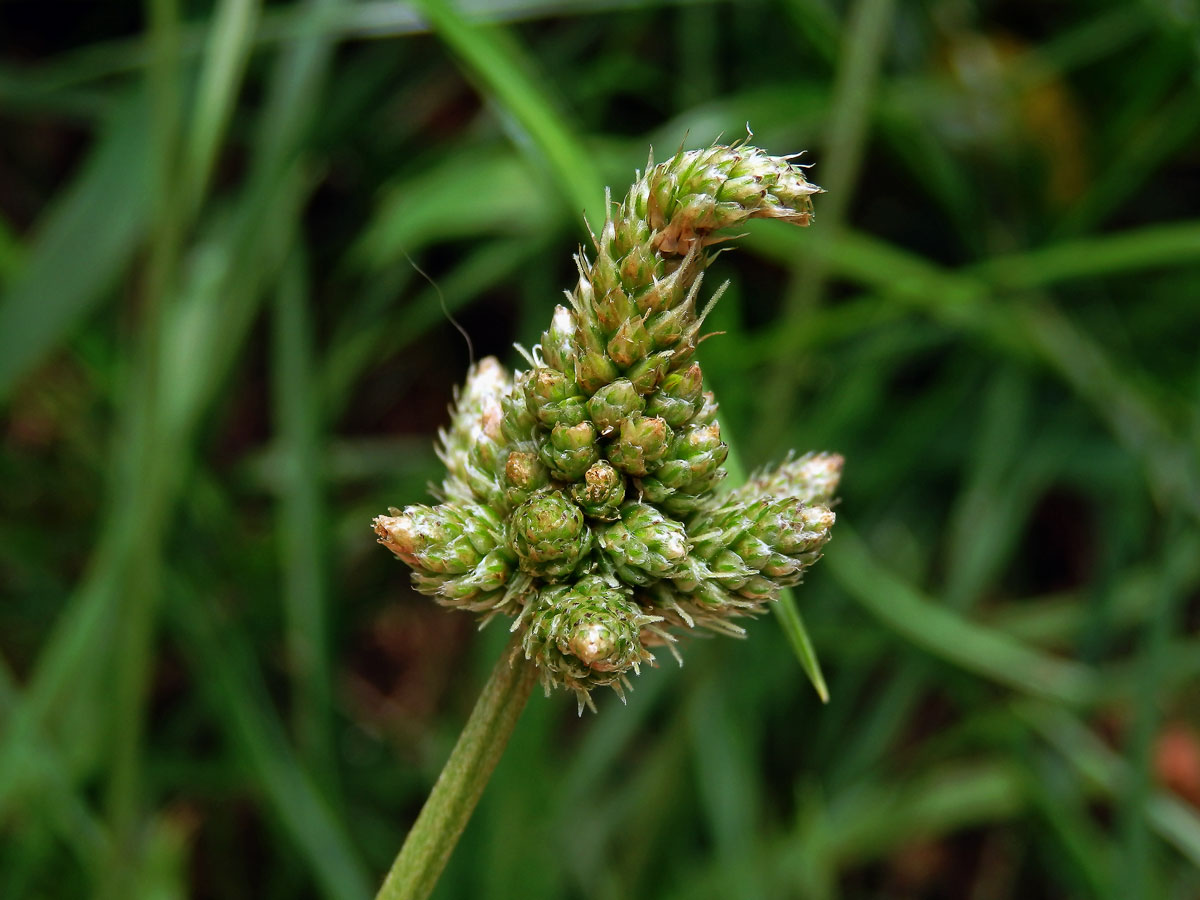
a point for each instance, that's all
(580, 493)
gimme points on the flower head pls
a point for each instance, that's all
(580, 494)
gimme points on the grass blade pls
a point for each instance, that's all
(97, 224)
(224, 669)
(301, 514)
(1097, 764)
(227, 52)
(854, 87)
(1174, 244)
(792, 623)
(508, 74)
(972, 647)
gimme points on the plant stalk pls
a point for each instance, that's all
(445, 814)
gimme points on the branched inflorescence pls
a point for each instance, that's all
(579, 496)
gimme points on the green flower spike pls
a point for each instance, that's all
(471, 449)
(587, 635)
(645, 545)
(457, 553)
(812, 479)
(635, 303)
(753, 547)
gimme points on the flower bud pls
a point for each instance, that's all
(706, 414)
(604, 275)
(644, 545)
(471, 447)
(524, 476)
(518, 422)
(668, 327)
(697, 452)
(569, 450)
(601, 491)
(613, 404)
(480, 589)
(595, 370)
(548, 534)
(553, 397)
(615, 309)
(558, 341)
(803, 531)
(647, 374)
(630, 344)
(664, 293)
(642, 444)
(678, 397)
(691, 469)
(640, 264)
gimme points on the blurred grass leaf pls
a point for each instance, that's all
(97, 224)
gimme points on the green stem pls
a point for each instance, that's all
(466, 773)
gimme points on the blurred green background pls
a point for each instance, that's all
(217, 362)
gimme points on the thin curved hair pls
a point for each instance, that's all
(445, 309)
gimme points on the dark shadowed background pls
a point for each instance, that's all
(218, 362)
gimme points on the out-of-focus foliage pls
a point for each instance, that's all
(218, 359)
